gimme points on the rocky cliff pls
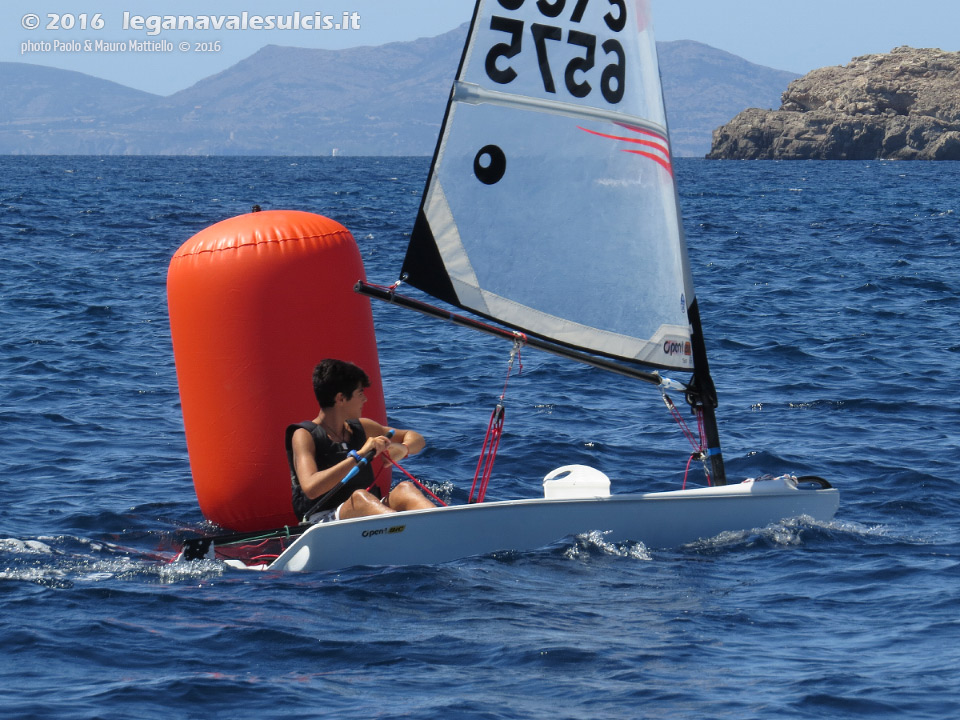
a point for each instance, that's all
(904, 105)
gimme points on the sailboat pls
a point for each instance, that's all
(553, 173)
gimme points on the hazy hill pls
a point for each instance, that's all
(704, 87)
(46, 110)
(383, 100)
(34, 93)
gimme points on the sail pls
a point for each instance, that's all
(551, 204)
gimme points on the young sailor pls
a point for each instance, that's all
(322, 452)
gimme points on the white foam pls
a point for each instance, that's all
(596, 540)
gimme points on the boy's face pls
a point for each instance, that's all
(354, 404)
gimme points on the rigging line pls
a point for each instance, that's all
(488, 453)
(686, 472)
(196, 548)
(419, 484)
(519, 340)
(491, 441)
(698, 444)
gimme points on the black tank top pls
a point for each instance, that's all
(328, 453)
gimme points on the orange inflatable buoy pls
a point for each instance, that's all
(255, 302)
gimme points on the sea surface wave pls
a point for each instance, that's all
(829, 294)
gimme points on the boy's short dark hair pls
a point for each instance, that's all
(332, 376)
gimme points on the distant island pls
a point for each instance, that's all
(383, 100)
(903, 105)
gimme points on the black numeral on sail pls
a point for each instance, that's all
(555, 8)
(579, 10)
(505, 50)
(614, 73)
(551, 9)
(619, 21)
(589, 43)
(542, 33)
(577, 72)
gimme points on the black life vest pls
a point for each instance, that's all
(328, 453)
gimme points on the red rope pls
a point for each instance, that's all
(682, 423)
(491, 441)
(687, 471)
(698, 443)
(418, 483)
(488, 453)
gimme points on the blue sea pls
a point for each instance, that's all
(830, 297)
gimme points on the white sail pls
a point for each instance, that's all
(551, 204)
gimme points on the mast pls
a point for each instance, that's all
(703, 395)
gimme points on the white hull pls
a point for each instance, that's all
(664, 519)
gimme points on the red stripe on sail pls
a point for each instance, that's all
(644, 131)
(658, 143)
(656, 158)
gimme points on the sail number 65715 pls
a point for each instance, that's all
(575, 75)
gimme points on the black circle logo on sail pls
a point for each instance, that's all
(489, 165)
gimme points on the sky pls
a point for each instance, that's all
(89, 36)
